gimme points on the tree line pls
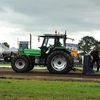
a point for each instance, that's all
(6, 44)
(86, 44)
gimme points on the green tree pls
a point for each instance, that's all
(86, 43)
(6, 44)
(97, 45)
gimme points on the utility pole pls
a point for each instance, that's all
(17, 42)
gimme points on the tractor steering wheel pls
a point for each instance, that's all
(51, 46)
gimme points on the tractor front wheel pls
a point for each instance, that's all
(20, 64)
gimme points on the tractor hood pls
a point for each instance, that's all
(31, 52)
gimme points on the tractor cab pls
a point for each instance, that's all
(52, 41)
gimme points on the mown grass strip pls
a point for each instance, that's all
(5, 64)
(11, 89)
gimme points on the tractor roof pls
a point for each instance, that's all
(53, 35)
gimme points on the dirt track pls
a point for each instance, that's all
(43, 74)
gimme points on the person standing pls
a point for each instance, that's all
(80, 61)
(95, 55)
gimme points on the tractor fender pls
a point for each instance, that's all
(63, 49)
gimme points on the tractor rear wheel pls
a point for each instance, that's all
(20, 64)
(59, 62)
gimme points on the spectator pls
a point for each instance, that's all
(77, 57)
(80, 61)
(1, 55)
(4, 54)
(95, 56)
(77, 60)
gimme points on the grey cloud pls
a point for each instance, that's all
(1, 10)
(47, 15)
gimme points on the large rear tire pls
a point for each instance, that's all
(59, 62)
(20, 64)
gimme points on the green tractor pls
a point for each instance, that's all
(52, 53)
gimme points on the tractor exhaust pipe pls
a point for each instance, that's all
(30, 40)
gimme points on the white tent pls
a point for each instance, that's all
(3, 48)
(13, 49)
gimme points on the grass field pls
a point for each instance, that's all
(5, 64)
(11, 89)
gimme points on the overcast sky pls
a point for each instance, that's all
(19, 18)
